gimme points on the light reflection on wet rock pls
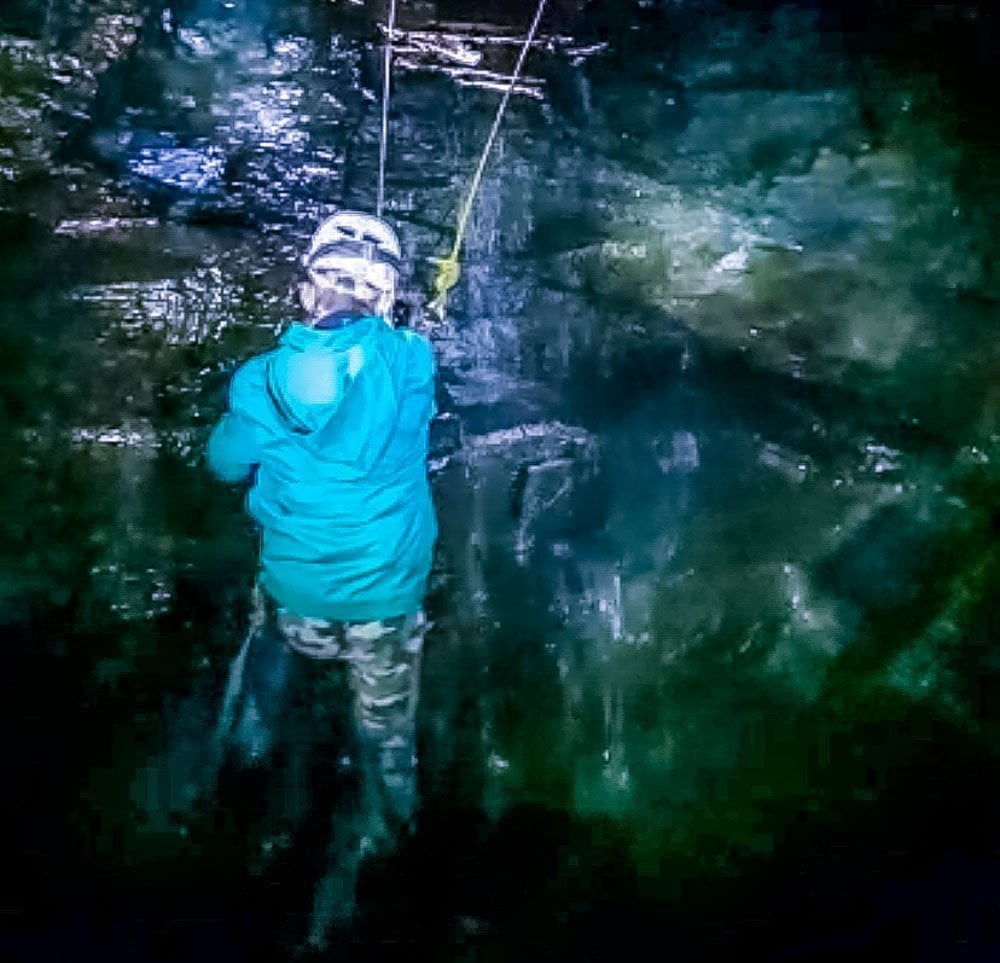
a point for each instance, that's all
(481, 55)
(747, 522)
(184, 168)
(102, 225)
(189, 310)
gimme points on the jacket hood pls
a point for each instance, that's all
(314, 370)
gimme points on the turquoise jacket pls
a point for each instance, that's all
(331, 428)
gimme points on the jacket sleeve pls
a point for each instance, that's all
(233, 450)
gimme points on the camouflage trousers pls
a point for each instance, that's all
(383, 663)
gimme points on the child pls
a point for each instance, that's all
(330, 429)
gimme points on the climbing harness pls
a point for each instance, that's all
(383, 140)
(448, 270)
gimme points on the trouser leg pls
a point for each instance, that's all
(384, 660)
(384, 669)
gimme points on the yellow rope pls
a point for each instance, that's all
(448, 270)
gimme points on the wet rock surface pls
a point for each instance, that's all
(715, 471)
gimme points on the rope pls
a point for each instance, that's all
(448, 270)
(383, 140)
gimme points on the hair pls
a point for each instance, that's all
(328, 301)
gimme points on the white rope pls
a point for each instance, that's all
(383, 140)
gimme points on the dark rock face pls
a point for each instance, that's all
(715, 465)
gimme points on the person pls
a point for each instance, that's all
(330, 431)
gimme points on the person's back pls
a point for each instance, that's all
(336, 421)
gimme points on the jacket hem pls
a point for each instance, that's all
(367, 611)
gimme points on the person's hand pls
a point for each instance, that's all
(402, 312)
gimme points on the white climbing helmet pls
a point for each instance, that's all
(356, 254)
